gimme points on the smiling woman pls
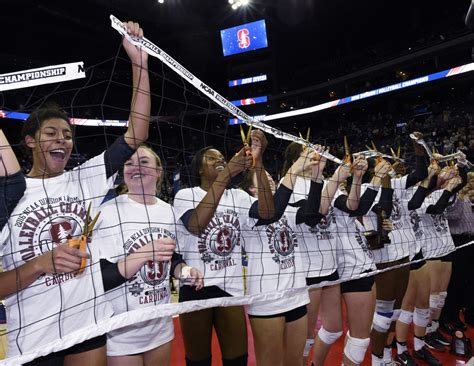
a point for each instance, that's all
(48, 137)
(48, 293)
(216, 217)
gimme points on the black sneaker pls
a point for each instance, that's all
(441, 338)
(432, 343)
(405, 359)
(425, 355)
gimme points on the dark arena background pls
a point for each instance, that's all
(368, 72)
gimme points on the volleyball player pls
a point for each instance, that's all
(415, 305)
(433, 196)
(275, 264)
(213, 215)
(355, 259)
(318, 247)
(46, 300)
(127, 225)
(391, 285)
(461, 225)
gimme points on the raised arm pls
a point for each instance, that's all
(340, 176)
(266, 207)
(444, 200)
(421, 163)
(8, 162)
(424, 187)
(196, 220)
(139, 118)
(12, 180)
(309, 212)
(359, 167)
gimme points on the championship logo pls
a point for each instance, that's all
(439, 222)
(323, 228)
(149, 284)
(47, 223)
(243, 38)
(216, 244)
(153, 273)
(396, 215)
(415, 224)
(282, 243)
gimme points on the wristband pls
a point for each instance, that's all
(185, 272)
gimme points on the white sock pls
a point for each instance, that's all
(434, 325)
(429, 328)
(387, 354)
(377, 361)
(418, 343)
(401, 347)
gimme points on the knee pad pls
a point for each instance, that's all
(406, 317)
(441, 299)
(396, 314)
(384, 306)
(307, 347)
(383, 315)
(382, 322)
(207, 362)
(421, 317)
(238, 361)
(355, 348)
(328, 337)
(434, 301)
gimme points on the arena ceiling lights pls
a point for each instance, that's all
(238, 3)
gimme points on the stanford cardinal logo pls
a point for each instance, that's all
(243, 38)
(221, 236)
(154, 273)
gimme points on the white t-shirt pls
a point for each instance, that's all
(274, 264)
(402, 236)
(438, 241)
(353, 255)
(217, 252)
(51, 211)
(124, 227)
(415, 225)
(317, 244)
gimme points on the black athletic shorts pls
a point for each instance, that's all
(189, 293)
(57, 358)
(445, 258)
(417, 265)
(290, 315)
(363, 284)
(316, 280)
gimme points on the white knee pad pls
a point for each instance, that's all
(328, 337)
(396, 314)
(421, 317)
(307, 347)
(384, 306)
(381, 323)
(406, 317)
(434, 301)
(355, 348)
(441, 299)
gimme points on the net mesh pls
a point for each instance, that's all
(272, 261)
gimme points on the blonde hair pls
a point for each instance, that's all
(122, 188)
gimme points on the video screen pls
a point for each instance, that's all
(244, 38)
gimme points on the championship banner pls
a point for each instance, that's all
(42, 75)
